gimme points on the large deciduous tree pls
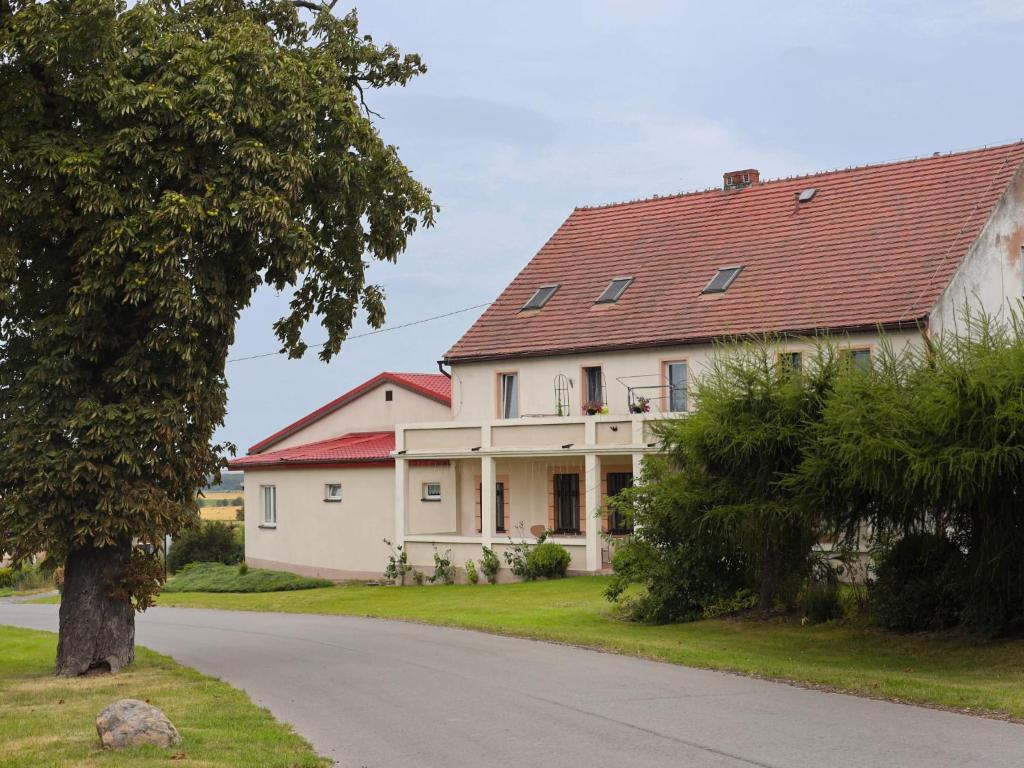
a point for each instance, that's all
(158, 164)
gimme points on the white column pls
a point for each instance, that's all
(592, 475)
(487, 500)
(637, 461)
(401, 508)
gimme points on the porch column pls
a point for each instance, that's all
(592, 484)
(487, 491)
(401, 509)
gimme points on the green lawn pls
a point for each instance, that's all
(215, 577)
(945, 670)
(48, 721)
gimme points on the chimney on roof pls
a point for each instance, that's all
(740, 179)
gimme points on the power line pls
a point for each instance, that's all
(371, 333)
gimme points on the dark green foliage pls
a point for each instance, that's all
(547, 560)
(216, 577)
(444, 571)
(820, 602)
(160, 161)
(6, 578)
(489, 565)
(919, 584)
(715, 517)
(212, 542)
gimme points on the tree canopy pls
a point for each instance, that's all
(158, 163)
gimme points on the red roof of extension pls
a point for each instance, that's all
(351, 449)
(876, 245)
(431, 385)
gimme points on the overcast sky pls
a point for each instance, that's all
(532, 108)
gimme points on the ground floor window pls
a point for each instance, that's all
(499, 508)
(567, 503)
(431, 491)
(269, 493)
(618, 481)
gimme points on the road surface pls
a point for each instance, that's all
(375, 693)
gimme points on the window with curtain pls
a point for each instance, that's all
(676, 375)
(269, 505)
(509, 387)
(594, 385)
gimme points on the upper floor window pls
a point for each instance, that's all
(269, 511)
(540, 298)
(508, 394)
(793, 361)
(431, 492)
(722, 279)
(332, 492)
(614, 290)
(593, 385)
(675, 373)
(859, 358)
(389, 395)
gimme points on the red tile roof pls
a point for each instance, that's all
(356, 448)
(876, 246)
(431, 385)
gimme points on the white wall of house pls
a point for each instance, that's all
(316, 537)
(475, 385)
(991, 277)
(370, 412)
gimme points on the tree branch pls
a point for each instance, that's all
(316, 7)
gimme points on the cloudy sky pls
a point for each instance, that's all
(532, 108)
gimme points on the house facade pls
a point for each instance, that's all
(553, 390)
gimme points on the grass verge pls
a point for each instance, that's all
(216, 577)
(48, 721)
(943, 670)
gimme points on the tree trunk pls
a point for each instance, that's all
(97, 631)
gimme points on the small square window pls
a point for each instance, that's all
(858, 358)
(793, 361)
(388, 395)
(332, 492)
(431, 492)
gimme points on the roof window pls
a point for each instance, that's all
(806, 195)
(614, 290)
(722, 280)
(540, 298)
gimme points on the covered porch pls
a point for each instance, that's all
(464, 496)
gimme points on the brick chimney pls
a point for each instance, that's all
(740, 179)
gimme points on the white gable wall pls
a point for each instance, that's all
(990, 279)
(369, 412)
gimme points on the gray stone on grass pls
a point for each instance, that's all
(133, 723)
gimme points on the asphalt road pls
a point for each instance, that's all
(375, 693)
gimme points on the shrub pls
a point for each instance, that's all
(547, 561)
(6, 578)
(820, 602)
(471, 575)
(398, 564)
(417, 578)
(243, 568)
(212, 542)
(444, 571)
(489, 565)
(918, 584)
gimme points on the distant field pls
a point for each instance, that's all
(211, 505)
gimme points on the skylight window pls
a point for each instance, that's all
(540, 298)
(614, 290)
(806, 195)
(722, 280)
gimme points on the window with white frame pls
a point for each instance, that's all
(269, 493)
(332, 492)
(676, 375)
(431, 492)
(508, 391)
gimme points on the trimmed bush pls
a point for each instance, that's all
(547, 561)
(489, 565)
(918, 584)
(217, 577)
(6, 578)
(212, 542)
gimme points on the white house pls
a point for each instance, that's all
(621, 306)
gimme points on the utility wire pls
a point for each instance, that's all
(371, 333)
